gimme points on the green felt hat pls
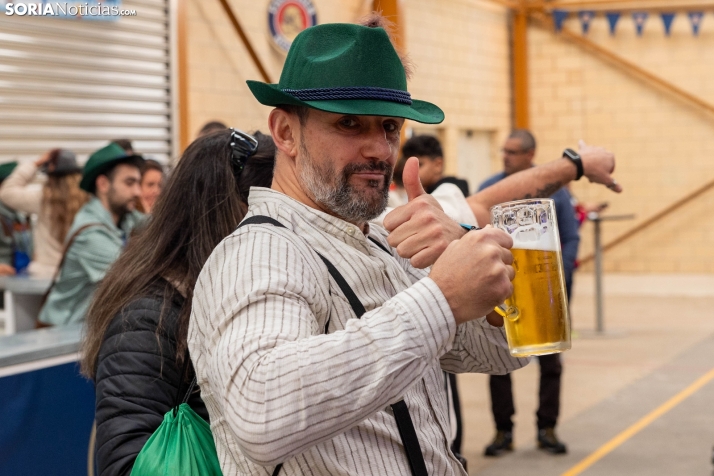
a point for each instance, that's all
(6, 169)
(102, 161)
(346, 69)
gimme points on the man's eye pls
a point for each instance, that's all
(391, 127)
(348, 122)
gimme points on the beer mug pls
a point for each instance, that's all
(536, 315)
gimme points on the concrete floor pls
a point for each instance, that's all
(659, 340)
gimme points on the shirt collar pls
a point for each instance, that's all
(289, 208)
(99, 213)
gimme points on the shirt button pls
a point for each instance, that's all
(350, 231)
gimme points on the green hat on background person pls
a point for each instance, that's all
(346, 69)
(6, 169)
(101, 161)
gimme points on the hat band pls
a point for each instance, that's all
(326, 94)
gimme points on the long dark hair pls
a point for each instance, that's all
(202, 204)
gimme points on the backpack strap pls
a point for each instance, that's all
(405, 425)
(70, 242)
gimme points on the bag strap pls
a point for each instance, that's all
(405, 425)
(184, 368)
(70, 242)
(7, 229)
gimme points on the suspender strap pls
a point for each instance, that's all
(405, 425)
(354, 301)
(409, 438)
(261, 219)
(383, 248)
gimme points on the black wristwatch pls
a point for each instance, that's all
(574, 158)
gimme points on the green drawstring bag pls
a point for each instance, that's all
(182, 444)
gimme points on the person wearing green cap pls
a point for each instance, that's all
(15, 237)
(98, 233)
(317, 341)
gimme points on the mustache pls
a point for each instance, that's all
(382, 167)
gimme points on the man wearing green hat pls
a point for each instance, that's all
(98, 233)
(317, 345)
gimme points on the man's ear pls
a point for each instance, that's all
(283, 128)
(531, 155)
(102, 184)
(439, 163)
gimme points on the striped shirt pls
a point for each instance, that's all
(280, 389)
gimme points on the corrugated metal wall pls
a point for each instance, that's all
(78, 83)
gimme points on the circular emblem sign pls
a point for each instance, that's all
(287, 18)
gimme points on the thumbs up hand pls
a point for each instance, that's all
(411, 180)
(420, 230)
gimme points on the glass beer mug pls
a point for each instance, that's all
(536, 315)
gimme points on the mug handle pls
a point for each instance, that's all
(507, 312)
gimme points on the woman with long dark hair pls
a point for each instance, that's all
(135, 345)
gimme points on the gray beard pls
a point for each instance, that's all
(336, 194)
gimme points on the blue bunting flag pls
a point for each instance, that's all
(559, 17)
(695, 18)
(612, 18)
(586, 16)
(667, 19)
(640, 18)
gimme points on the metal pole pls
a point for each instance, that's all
(598, 276)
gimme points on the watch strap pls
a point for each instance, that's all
(468, 227)
(574, 157)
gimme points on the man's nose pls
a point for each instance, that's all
(379, 146)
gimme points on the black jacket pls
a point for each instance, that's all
(461, 183)
(137, 380)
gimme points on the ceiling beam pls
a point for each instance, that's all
(246, 41)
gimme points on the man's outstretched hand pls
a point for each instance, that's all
(598, 165)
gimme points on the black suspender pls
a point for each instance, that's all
(400, 409)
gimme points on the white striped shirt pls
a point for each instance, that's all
(278, 389)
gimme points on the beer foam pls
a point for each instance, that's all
(535, 237)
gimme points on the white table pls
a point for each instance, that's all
(23, 301)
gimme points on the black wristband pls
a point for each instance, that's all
(574, 157)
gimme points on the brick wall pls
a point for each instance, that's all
(664, 147)
(460, 49)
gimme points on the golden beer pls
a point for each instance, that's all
(541, 324)
(536, 315)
